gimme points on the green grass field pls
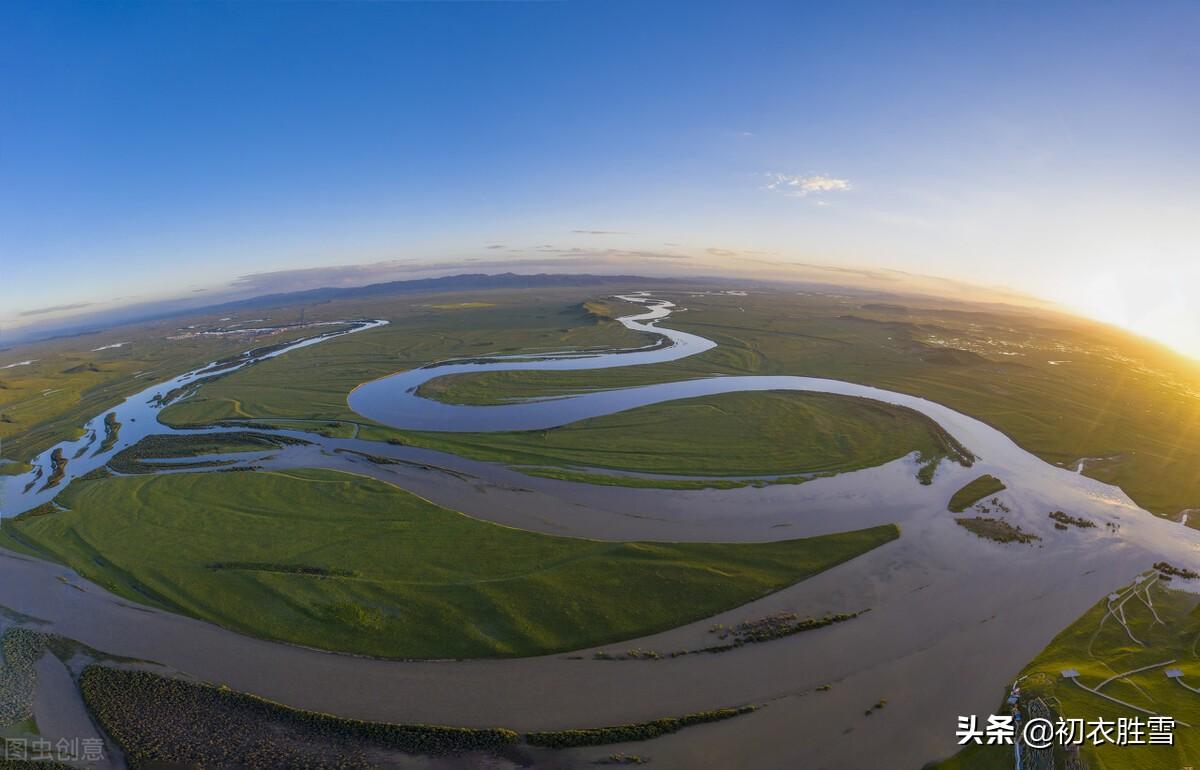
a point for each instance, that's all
(1063, 388)
(974, 491)
(319, 378)
(1099, 648)
(733, 434)
(70, 381)
(343, 562)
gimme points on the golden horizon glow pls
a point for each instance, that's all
(1148, 303)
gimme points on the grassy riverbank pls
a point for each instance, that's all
(732, 434)
(1098, 646)
(347, 563)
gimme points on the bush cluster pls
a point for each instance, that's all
(157, 720)
(112, 431)
(640, 731)
(996, 529)
(1169, 571)
(21, 649)
(1065, 518)
(764, 629)
(138, 458)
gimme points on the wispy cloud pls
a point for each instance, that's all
(600, 232)
(747, 255)
(797, 186)
(55, 309)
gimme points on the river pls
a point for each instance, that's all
(953, 617)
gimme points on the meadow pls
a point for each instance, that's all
(732, 434)
(342, 562)
(312, 383)
(1064, 388)
(72, 379)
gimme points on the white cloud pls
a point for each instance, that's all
(796, 186)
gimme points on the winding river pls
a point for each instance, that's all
(953, 617)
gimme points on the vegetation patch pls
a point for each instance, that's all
(639, 731)
(97, 473)
(876, 706)
(463, 305)
(776, 626)
(383, 460)
(975, 491)
(58, 468)
(140, 457)
(159, 721)
(771, 433)
(1065, 519)
(112, 432)
(996, 529)
(290, 569)
(33, 764)
(45, 509)
(779, 625)
(1169, 571)
(20, 649)
(428, 582)
(647, 482)
(621, 758)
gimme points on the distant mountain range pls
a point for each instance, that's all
(461, 282)
(76, 326)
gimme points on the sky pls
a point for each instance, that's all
(191, 151)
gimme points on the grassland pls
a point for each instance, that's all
(318, 378)
(974, 491)
(71, 381)
(733, 434)
(343, 562)
(787, 435)
(1063, 388)
(1098, 647)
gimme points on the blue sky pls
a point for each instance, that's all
(157, 150)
